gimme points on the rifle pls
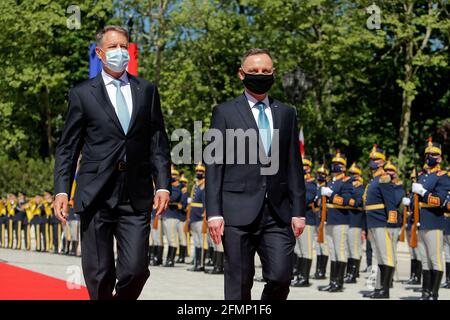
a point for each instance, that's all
(205, 224)
(401, 237)
(323, 218)
(416, 212)
(155, 222)
(188, 213)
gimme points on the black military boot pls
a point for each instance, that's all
(436, 278)
(416, 271)
(446, 284)
(351, 271)
(318, 263)
(157, 259)
(295, 266)
(375, 291)
(182, 254)
(303, 277)
(218, 264)
(357, 263)
(170, 259)
(298, 273)
(209, 257)
(349, 267)
(387, 274)
(426, 285)
(74, 248)
(323, 268)
(197, 261)
(333, 277)
(151, 253)
(339, 283)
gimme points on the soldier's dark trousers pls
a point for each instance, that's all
(99, 225)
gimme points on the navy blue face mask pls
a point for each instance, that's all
(321, 178)
(431, 161)
(373, 165)
(335, 168)
(199, 176)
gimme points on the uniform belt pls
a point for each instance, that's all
(374, 206)
(197, 205)
(335, 206)
(426, 205)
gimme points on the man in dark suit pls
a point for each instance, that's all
(115, 121)
(250, 210)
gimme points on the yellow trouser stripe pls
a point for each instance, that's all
(389, 248)
(19, 235)
(438, 252)
(356, 243)
(196, 205)
(50, 245)
(28, 237)
(310, 253)
(46, 237)
(188, 244)
(37, 230)
(10, 234)
(3, 235)
(342, 245)
(59, 236)
(68, 235)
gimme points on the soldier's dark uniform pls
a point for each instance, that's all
(197, 205)
(55, 230)
(381, 209)
(23, 205)
(304, 245)
(337, 223)
(35, 217)
(357, 224)
(170, 220)
(156, 233)
(432, 189)
(11, 222)
(18, 223)
(3, 224)
(321, 248)
(182, 236)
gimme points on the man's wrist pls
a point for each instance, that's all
(62, 194)
(215, 218)
(162, 190)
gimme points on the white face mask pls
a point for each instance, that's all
(117, 59)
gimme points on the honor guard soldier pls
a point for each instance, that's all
(432, 189)
(357, 222)
(23, 207)
(182, 236)
(304, 243)
(381, 210)
(156, 233)
(338, 192)
(12, 222)
(19, 219)
(446, 285)
(3, 224)
(321, 248)
(415, 253)
(55, 229)
(35, 214)
(196, 204)
(46, 212)
(170, 219)
(394, 228)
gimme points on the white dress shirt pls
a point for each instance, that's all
(111, 89)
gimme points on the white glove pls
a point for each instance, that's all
(406, 201)
(326, 191)
(418, 188)
(189, 200)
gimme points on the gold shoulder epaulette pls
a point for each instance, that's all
(311, 179)
(385, 178)
(356, 183)
(346, 178)
(441, 173)
(399, 182)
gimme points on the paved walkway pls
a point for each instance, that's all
(178, 284)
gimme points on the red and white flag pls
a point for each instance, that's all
(301, 139)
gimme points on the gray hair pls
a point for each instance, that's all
(100, 34)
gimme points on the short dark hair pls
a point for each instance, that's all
(105, 29)
(254, 52)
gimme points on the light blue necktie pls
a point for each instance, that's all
(121, 105)
(264, 126)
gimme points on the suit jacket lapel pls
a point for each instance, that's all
(243, 109)
(135, 89)
(99, 92)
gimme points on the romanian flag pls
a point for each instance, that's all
(95, 64)
(301, 140)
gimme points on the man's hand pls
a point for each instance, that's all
(298, 224)
(61, 207)
(363, 235)
(216, 230)
(161, 202)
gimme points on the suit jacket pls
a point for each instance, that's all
(93, 128)
(237, 191)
